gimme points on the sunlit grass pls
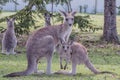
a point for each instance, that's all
(4, 14)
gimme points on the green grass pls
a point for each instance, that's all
(105, 57)
(4, 14)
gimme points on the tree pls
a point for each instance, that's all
(110, 32)
(67, 2)
(95, 6)
(118, 10)
(25, 18)
(2, 2)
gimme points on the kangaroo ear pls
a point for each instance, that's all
(70, 42)
(13, 18)
(51, 15)
(63, 13)
(61, 41)
(73, 13)
(7, 19)
(45, 14)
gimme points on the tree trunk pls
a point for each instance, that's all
(52, 6)
(15, 1)
(110, 32)
(70, 8)
(95, 6)
(68, 4)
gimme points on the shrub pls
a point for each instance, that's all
(84, 23)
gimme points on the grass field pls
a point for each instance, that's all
(105, 57)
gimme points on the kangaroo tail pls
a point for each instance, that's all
(16, 74)
(107, 72)
(30, 69)
(91, 67)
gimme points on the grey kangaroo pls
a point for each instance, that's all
(77, 53)
(9, 40)
(43, 42)
(47, 17)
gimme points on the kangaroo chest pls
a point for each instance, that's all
(67, 33)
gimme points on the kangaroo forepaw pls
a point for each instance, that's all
(61, 67)
(65, 67)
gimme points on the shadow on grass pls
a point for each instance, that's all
(71, 76)
(64, 75)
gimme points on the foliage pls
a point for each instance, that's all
(24, 19)
(23, 23)
(2, 29)
(84, 24)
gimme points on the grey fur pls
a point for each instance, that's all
(47, 17)
(9, 40)
(77, 53)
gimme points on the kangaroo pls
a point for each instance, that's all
(77, 53)
(63, 55)
(47, 18)
(42, 43)
(9, 40)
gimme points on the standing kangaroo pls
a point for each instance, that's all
(47, 18)
(43, 42)
(9, 40)
(77, 53)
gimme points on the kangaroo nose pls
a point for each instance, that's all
(65, 50)
(70, 24)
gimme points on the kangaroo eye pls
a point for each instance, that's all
(72, 19)
(63, 47)
(68, 47)
(66, 19)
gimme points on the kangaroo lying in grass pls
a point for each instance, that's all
(43, 42)
(9, 40)
(77, 54)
